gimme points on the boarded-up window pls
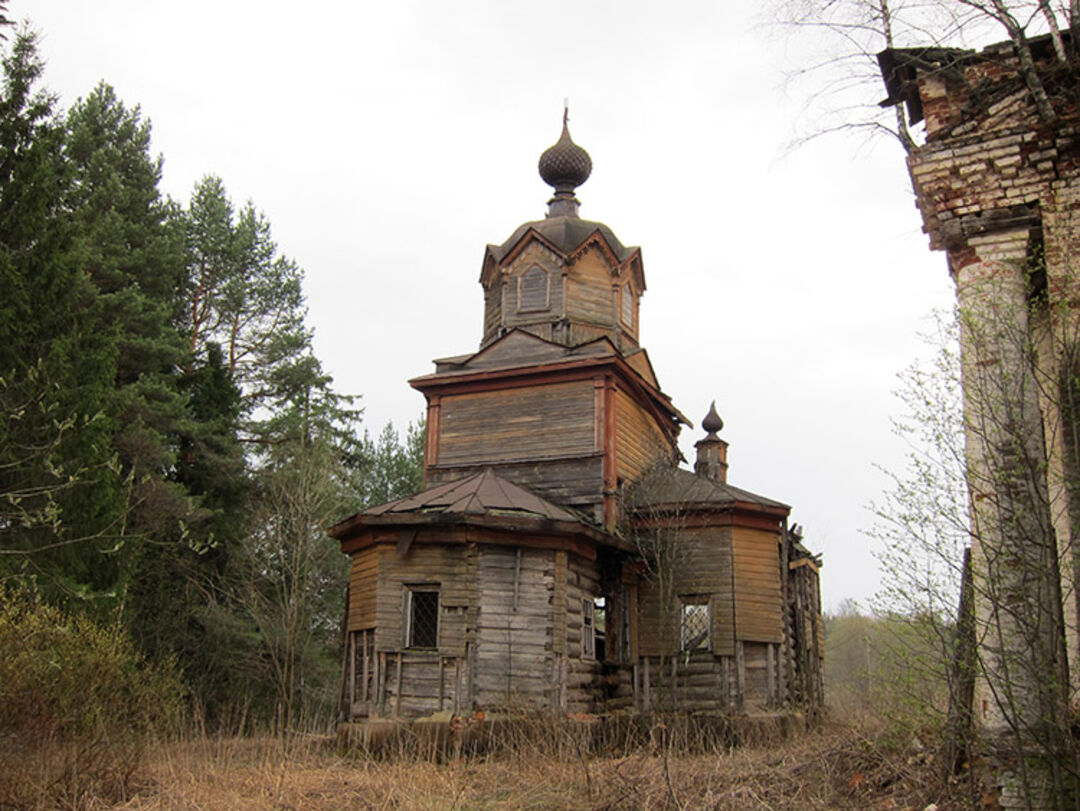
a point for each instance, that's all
(628, 306)
(695, 622)
(588, 630)
(533, 290)
(422, 620)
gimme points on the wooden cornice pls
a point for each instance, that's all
(733, 513)
(523, 243)
(466, 381)
(362, 531)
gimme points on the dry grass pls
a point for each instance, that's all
(835, 767)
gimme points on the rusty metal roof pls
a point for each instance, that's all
(665, 485)
(480, 494)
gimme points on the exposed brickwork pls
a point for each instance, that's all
(999, 191)
(988, 161)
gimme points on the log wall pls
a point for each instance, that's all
(581, 691)
(700, 682)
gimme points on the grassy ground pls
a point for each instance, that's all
(835, 767)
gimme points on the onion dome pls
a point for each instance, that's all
(712, 422)
(565, 166)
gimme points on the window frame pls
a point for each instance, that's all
(588, 629)
(687, 603)
(521, 306)
(410, 615)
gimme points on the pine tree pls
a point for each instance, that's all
(51, 354)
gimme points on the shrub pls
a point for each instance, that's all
(78, 705)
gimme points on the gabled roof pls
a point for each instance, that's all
(640, 363)
(518, 347)
(665, 485)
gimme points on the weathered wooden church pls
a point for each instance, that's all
(558, 560)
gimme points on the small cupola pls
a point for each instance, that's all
(712, 450)
(564, 166)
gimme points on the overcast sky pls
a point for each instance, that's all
(389, 142)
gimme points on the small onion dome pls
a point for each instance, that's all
(565, 165)
(712, 422)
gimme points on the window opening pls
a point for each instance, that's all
(695, 622)
(423, 617)
(533, 290)
(588, 630)
(600, 627)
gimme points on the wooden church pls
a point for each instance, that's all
(558, 560)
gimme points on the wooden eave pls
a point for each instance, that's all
(705, 514)
(361, 531)
(489, 268)
(649, 378)
(528, 237)
(595, 237)
(598, 239)
(637, 269)
(809, 562)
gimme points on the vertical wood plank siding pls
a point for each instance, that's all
(525, 423)
(758, 603)
(363, 572)
(514, 655)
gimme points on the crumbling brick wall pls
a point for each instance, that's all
(999, 191)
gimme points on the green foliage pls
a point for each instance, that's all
(170, 447)
(241, 294)
(890, 668)
(389, 467)
(56, 365)
(78, 704)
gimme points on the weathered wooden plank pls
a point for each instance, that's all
(494, 638)
(640, 442)
(575, 481)
(518, 683)
(520, 665)
(758, 597)
(537, 421)
(559, 603)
